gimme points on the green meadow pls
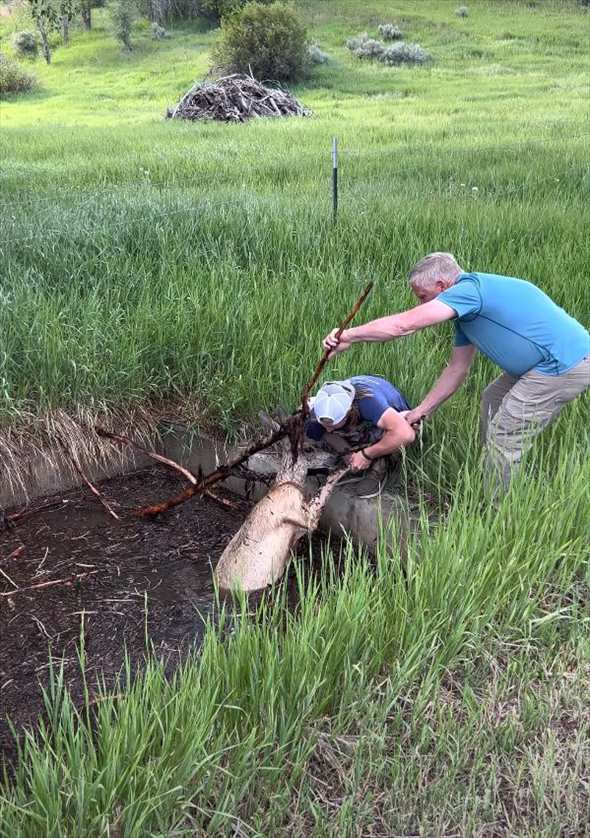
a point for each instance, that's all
(444, 690)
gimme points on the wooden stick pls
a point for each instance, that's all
(14, 555)
(324, 359)
(25, 513)
(218, 499)
(124, 440)
(172, 464)
(93, 488)
(298, 431)
(66, 581)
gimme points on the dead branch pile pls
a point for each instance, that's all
(235, 98)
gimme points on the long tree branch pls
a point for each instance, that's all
(90, 485)
(203, 485)
(124, 440)
(293, 427)
(324, 359)
(298, 431)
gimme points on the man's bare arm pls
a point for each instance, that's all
(397, 434)
(391, 327)
(449, 381)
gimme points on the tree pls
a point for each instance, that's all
(123, 14)
(86, 14)
(86, 7)
(45, 13)
(67, 10)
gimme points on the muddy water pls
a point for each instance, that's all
(116, 580)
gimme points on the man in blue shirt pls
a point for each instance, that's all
(543, 351)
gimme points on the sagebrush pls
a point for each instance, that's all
(390, 32)
(158, 32)
(404, 53)
(364, 47)
(25, 44)
(14, 78)
(316, 55)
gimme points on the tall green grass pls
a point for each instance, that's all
(443, 690)
(234, 736)
(149, 259)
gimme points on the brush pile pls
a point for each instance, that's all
(235, 98)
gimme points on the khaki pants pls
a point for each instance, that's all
(515, 410)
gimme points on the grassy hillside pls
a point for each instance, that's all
(445, 692)
(136, 229)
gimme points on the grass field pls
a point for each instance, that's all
(146, 261)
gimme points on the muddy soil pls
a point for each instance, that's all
(120, 580)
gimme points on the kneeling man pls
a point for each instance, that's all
(362, 415)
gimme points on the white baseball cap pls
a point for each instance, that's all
(333, 401)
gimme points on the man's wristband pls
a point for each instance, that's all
(366, 456)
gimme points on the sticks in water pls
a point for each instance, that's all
(220, 473)
(293, 427)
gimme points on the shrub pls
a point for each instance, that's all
(404, 53)
(25, 44)
(123, 13)
(219, 9)
(364, 47)
(370, 49)
(268, 41)
(14, 78)
(390, 32)
(158, 32)
(316, 56)
(355, 43)
(462, 11)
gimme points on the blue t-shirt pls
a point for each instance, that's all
(376, 396)
(515, 324)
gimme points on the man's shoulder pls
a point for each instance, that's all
(481, 279)
(371, 383)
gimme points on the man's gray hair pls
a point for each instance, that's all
(434, 267)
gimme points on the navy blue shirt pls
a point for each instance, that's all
(374, 396)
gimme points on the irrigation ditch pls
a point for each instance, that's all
(73, 575)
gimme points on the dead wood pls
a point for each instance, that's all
(166, 461)
(92, 488)
(229, 504)
(235, 98)
(324, 359)
(96, 493)
(124, 440)
(67, 581)
(220, 473)
(26, 513)
(14, 555)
